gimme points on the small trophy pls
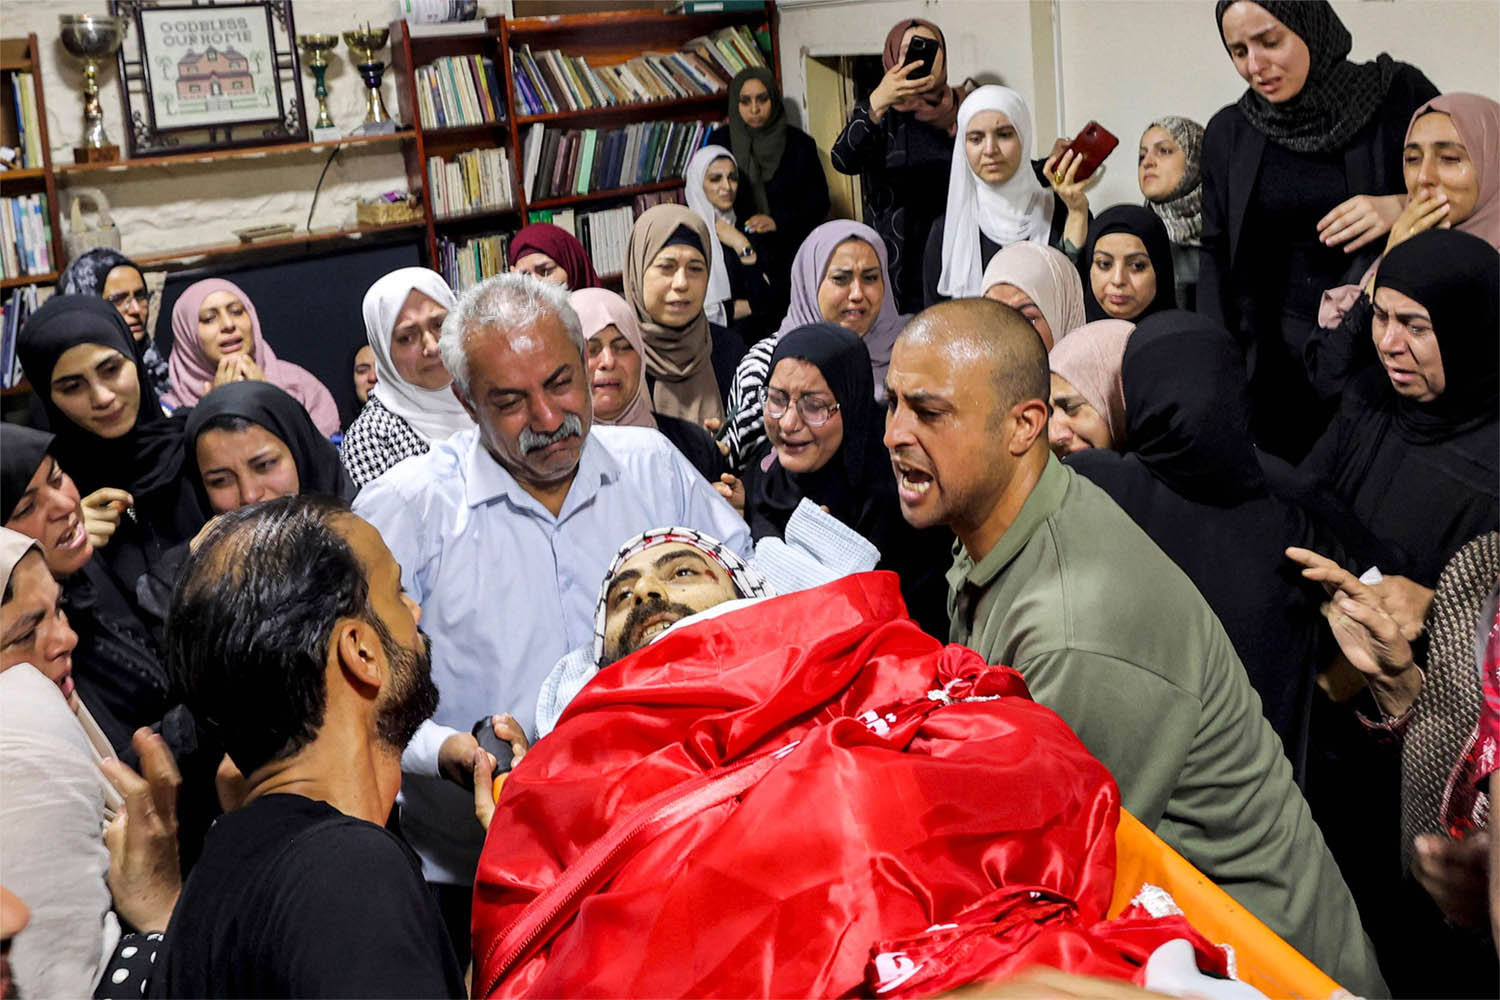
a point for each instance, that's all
(315, 50)
(95, 40)
(366, 43)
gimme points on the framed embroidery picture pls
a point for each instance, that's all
(203, 75)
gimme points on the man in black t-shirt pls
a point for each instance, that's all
(298, 649)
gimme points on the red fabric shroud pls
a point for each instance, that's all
(751, 805)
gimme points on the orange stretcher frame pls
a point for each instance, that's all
(1262, 958)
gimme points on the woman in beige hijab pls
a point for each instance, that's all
(690, 362)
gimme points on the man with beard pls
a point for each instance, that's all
(294, 643)
(503, 533)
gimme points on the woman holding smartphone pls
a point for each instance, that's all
(900, 142)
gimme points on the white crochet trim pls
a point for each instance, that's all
(1159, 903)
(1156, 901)
(945, 696)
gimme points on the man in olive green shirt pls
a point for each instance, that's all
(1055, 580)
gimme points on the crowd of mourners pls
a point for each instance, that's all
(1215, 474)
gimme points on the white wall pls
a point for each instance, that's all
(1125, 61)
(991, 38)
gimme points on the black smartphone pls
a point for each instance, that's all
(921, 50)
(498, 748)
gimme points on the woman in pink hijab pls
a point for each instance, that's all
(1451, 162)
(216, 338)
(1088, 395)
(617, 379)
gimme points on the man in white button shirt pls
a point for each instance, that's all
(503, 534)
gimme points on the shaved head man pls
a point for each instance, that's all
(966, 392)
(1058, 582)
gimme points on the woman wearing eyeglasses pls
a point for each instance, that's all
(118, 280)
(824, 433)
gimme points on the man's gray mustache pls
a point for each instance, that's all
(572, 426)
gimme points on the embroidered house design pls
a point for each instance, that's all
(214, 79)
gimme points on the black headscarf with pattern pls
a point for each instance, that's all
(85, 275)
(1339, 97)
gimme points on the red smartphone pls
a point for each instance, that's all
(1094, 143)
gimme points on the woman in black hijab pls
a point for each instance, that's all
(782, 188)
(822, 421)
(1414, 453)
(1126, 265)
(119, 280)
(1190, 477)
(242, 432)
(78, 355)
(1415, 449)
(1299, 182)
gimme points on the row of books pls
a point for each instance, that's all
(28, 126)
(476, 180)
(21, 304)
(465, 263)
(25, 236)
(459, 90)
(562, 163)
(604, 233)
(552, 81)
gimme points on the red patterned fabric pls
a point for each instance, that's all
(752, 804)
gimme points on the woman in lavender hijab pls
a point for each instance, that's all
(840, 275)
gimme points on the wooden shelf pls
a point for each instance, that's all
(29, 174)
(702, 101)
(244, 153)
(483, 213)
(194, 254)
(635, 21)
(461, 130)
(29, 279)
(623, 192)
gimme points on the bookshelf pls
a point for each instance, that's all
(23, 55)
(411, 51)
(603, 39)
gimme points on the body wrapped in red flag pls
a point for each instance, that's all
(754, 803)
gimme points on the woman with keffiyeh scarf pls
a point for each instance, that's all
(1298, 177)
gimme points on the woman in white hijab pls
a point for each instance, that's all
(411, 406)
(741, 291)
(997, 196)
(698, 199)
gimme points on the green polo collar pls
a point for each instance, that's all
(1045, 499)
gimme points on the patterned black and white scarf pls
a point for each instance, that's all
(1181, 211)
(1339, 97)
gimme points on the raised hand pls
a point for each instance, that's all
(144, 875)
(102, 510)
(896, 87)
(1369, 636)
(1424, 212)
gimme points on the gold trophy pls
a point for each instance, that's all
(95, 40)
(315, 50)
(366, 43)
